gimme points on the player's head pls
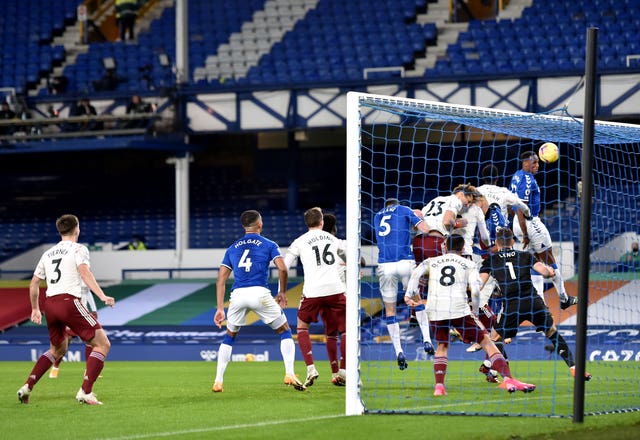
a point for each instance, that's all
(455, 243)
(504, 237)
(251, 220)
(67, 224)
(467, 193)
(635, 247)
(391, 202)
(530, 162)
(490, 174)
(330, 224)
(313, 217)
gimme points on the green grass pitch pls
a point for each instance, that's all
(173, 400)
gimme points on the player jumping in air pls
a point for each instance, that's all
(523, 183)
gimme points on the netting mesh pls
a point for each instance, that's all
(415, 151)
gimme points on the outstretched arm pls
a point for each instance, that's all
(283, 278)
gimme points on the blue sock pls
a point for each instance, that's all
(228, 339)
(420, 308)
(391, 319)
(286, 334)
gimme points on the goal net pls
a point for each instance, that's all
(415, 150)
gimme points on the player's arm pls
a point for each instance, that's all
(283, 278)
(450, 222)
(34, 293)
(412, 295)
(92, 284)
(483, 231)
(221, 286)
(544, 270)
(523, 227)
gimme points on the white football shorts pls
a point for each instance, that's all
(539, 237)
(256, 299)
(389, 274)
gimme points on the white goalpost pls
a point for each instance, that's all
(415, 150)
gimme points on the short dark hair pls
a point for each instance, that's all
(391, 201)
(330, 223)
(313, 217)
(455, 242)
(66, 224)
(504, 235)
(528, 155)
(249, 218)
(489, 173)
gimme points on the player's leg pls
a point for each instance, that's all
(42, 365)
(440, 359)
(57, 349)
(388, 278)
(421, 313)
(224, 357)
(53, 373)
(308, 312)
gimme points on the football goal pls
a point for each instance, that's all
(413, 151)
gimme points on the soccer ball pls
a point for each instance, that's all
(548, 152)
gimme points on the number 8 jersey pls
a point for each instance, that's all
(449, 275)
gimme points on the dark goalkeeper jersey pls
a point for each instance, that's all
(512, 271)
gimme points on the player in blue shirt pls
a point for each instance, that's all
(393, 226)
(537, 237)
(249, 259)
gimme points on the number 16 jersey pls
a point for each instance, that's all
(318, 252)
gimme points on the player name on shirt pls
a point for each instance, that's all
(507, 254)
(319, 238)
(254, 241)
(444, 259)
(58, 251)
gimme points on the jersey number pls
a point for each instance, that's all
(327, 256)
(447, 278)
(385, 228)
(434, 208)
(56, 269)
(511, 271)
(245, 261)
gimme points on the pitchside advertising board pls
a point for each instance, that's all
(604, 343)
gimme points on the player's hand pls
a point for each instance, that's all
(410, 301)
(219, 318)
(109, 301)
(460, 223)
(36, 317)
(281, 299)
(525, 242)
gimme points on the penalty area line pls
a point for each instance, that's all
(222, 428)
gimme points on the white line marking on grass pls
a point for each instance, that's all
(223, 428)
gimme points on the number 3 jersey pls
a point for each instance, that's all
(59, 267)
(449, 275)
(318, 253)
(249, 259)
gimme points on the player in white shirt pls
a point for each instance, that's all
(450, 275)
(440, 216)
(66, 267)
(323, 290)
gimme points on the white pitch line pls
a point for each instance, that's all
(222, 428)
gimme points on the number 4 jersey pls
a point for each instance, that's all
(249, 259)
(318, 252)
(449, 275)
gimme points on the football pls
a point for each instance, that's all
(548, 152)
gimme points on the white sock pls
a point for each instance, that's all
(224, 356)
(423, 322)
(538, 284)
(558, 282)
(394, 332)
(310, 368)
(288, 351)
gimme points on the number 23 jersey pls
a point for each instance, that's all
(449, 276)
